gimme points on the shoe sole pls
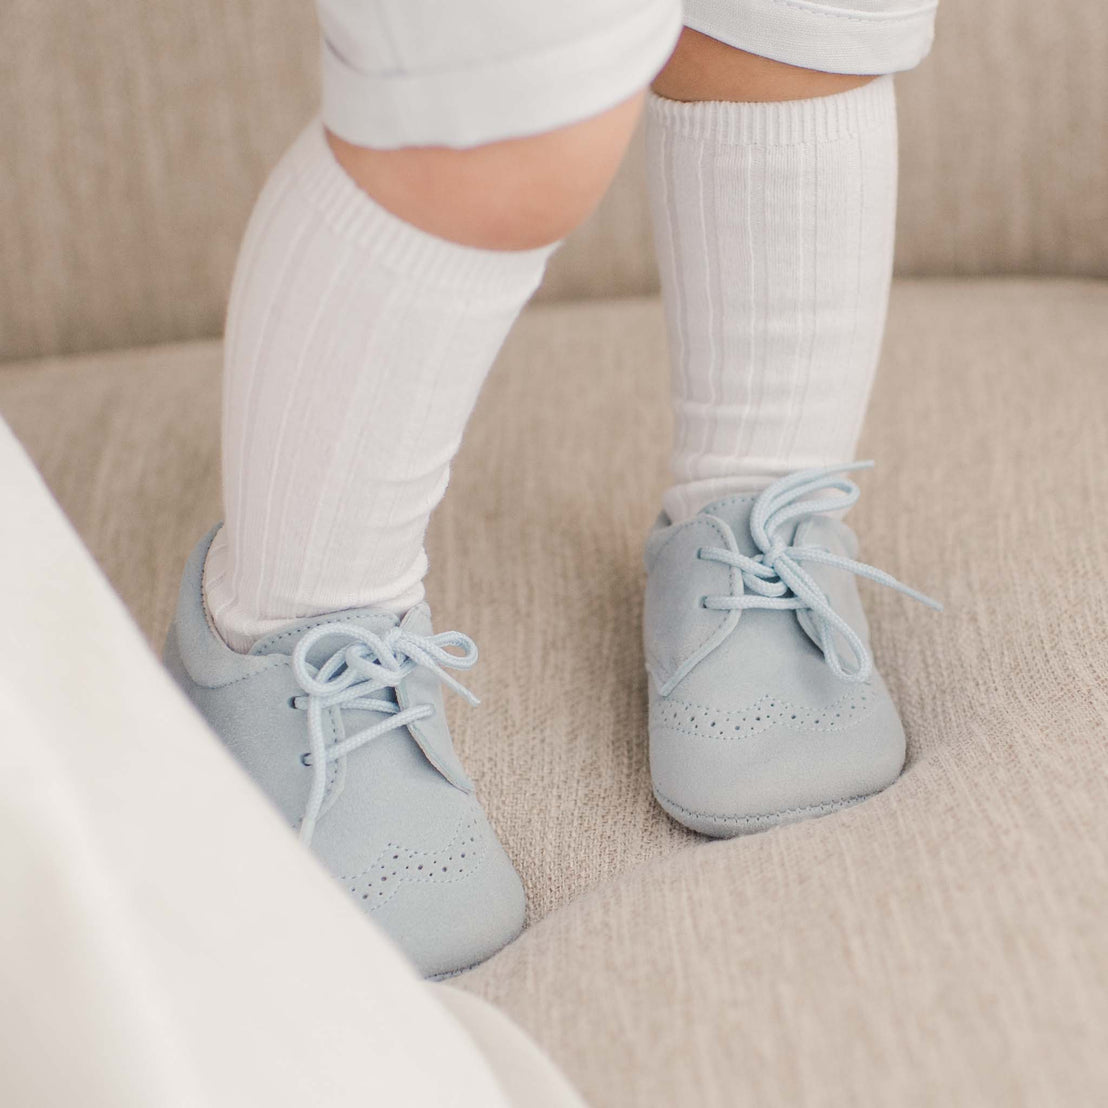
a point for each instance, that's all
(448, 974)
(729, 827)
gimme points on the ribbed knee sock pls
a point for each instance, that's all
(774, 227)
(356, 345)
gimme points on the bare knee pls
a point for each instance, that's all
(703, 68)
(512, 195)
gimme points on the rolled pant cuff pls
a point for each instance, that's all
(816, 36)
(505, 98)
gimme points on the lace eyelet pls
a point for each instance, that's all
(292, 701)
(700, 553)
(306, 760)
(703, 602)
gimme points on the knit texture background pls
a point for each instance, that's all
(942, 943)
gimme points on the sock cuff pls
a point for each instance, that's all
(778, 123)
(397, 244)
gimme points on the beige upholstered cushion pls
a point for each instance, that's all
(942, 944)
(136, 135)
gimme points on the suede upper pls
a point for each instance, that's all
(749, 725)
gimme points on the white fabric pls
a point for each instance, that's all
(164, 940)
(526, 1075)
(864, 36)
(356, 346)
(404, 73)
(774, 226)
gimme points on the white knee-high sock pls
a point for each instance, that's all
(356, 345)
(774, 226)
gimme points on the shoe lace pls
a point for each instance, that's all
(366, 664)
(776, 578)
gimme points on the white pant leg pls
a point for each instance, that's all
(417, 72)
(164, 940)
(835, 36)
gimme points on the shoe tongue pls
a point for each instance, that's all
(370, 619)
(735, 511)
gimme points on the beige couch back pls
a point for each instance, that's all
(136, 134)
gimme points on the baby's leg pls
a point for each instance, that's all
(774, 194)
(386, 260)
(384, 264)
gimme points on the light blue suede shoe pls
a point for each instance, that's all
(764, 704)
(340, 721)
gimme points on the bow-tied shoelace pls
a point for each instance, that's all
(364, 665)
(776, 578)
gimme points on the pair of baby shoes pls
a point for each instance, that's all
(764, 707)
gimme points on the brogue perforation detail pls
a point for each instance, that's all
(767, 711)
(397, 865)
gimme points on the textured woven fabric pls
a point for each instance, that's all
(139, 134)
(941, 944)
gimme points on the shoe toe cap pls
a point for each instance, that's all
(449, 902)
(726, 773)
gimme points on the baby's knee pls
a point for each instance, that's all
(515, 194)
(491, 124)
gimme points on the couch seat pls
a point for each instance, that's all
(943, 944)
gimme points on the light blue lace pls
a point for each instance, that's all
(349, 678)
(775, 578)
